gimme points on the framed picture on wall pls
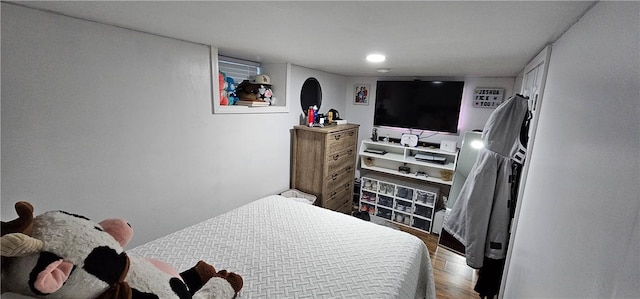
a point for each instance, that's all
(361, 94)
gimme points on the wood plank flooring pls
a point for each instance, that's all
(453, 278)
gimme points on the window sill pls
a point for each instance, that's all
(249, 110)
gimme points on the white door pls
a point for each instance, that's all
(533, 81)
(535, 75)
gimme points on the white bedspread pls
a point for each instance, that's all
(287, 249)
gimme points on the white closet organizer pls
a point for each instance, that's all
(400, 202)
(432, 164)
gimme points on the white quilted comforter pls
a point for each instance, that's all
(287, 249)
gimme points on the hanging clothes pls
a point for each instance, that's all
(489, 277)
(480, 217)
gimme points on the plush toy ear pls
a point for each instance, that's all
(52, 277)
(118, 228)
(24, 223)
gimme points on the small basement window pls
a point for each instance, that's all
(238, 69)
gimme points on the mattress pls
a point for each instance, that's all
(285, 248)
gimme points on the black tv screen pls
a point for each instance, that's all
(422, 105)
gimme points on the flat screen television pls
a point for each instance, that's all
(421, 105)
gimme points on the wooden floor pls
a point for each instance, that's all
(453, 278)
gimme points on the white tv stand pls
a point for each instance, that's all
(405, 198)
(397, 155)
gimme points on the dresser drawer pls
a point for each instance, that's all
(338, 178)
(341, 159)
(338, 197)
(340, 140)
(344, 208)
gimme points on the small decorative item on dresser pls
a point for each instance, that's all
(310, 115)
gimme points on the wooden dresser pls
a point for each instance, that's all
(324, 164)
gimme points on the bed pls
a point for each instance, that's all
(287, 248)
(284, 248)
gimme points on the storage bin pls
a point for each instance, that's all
(298, 195)
(422, 224)
(405, 193)
(423, 211)
(385, 201)
(438, 220)
(384, 213)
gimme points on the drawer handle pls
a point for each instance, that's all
(334, 176)
(351, 133)
(349, 152)
(333, 193)
(346, 186)
(335, 157)
(337, 136)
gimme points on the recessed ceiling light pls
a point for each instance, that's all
(375, 58)
(383, 70)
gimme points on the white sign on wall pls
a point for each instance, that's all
(488, 97)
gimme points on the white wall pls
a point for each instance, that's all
(109, 122)
(332, 86)
(578, 233)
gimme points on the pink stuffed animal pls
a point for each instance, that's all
(224, 101)
(63, 255)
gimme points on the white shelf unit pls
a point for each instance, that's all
(397, 155)
(405, 204)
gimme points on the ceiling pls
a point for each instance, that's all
(419, 38)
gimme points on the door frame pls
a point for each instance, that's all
(536, 103)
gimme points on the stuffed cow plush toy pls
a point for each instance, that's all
(63, 255)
